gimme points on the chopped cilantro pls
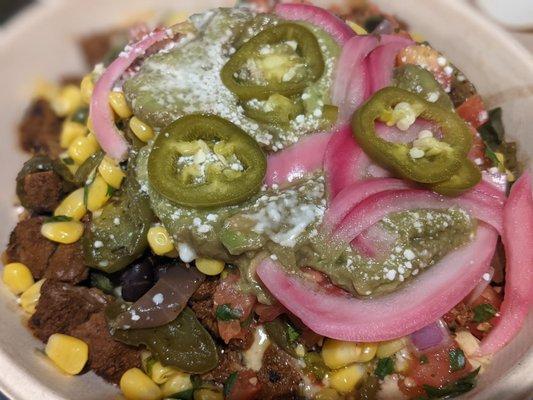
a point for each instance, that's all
(102, 282)
(230, 382)
(110, 190)
(384, 367)
(292, 333)
(492, 131)
(457, 360)
(225, 313)
(58, 218)
(484, 312)
(183, 395)
(424, 359)
(150, 362)
(68, 160)
(454, 389)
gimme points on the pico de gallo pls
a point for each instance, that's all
(271, 201)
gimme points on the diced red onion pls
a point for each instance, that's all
(110, 138)
(517, 239)
(317, 16)
(433, 335)
(413, 306)
(300, 159)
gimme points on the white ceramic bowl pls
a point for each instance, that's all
(41, 42)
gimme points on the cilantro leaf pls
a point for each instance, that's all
(385, 367)
(183, 395)
(454, 389)
(492, 132)
(58, 218)
(225, 313)
(484, 312)
(424, 359)
(457, 360)
(292, 333)
(110, 190)
(230, 382)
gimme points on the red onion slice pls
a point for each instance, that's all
(415, 305)
(293, 163)
(110, 138)
(517, 239)
(433, 335)
(481, 286)
(317, 16)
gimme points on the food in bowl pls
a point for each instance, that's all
(272, 203)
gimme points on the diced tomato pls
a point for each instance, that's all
(473, 111)
(228, 292)
(434, 370)
(269, 313)
(430, 59)
(246, 386)
(477, 151)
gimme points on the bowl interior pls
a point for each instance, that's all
(42, 43)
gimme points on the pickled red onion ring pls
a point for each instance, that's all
(109, 137)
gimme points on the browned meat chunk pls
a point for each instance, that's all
(201, 302)
(230, 361)
(63, 262)
(96, 46)
(43, 191)
(278, 376)
(67, 265)
(28, 246)
(107, 357)
(40, 128)
(62, 307)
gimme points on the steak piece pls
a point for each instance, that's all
(201, 302)
(40, 128)
(62, 307)
(42, 191)
(279, 377)
(67, 265)
(107, 357)
(229, 362)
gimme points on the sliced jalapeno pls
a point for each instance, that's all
(204, 161)
(465, 178)
(283, 59)
(433, 167)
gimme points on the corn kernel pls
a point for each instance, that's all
(72, 206)
(159, 240)
(388, 348)
(357, 28)
(368, 352)
(97, 194)
(111, 172)
(70, 131)
(174, 18)
(327, 394)
(68, 353)
(29, 299)
(17, 277)
(82, 148)
(209, 266)
(120, 106)
(143, 131)
(68, 100)
(87, 87)
(160, 373)
(337, 353)
(178, 382)
(417, 37)
(65, 232)
(345, 380)
(207, 394)
(46, 89)
(136, 385)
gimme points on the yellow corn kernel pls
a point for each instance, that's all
(111, 172)
(338, 353)
(65, 232)
(70, 131)
(29, 299)
(207, 394)
(120, 106)
(417, 37)
(136, 385)
(345, 380)
(82, 148)
(388, 348)
(327, 394)
(174, 18)
(143, 131)
(176, 383)
(17, 277)
(87, 87)
(357, 28)
(68, 353)
(68, 100)
(46, 89)
(97, 194)
(159, 240)
(72, 206)
(160, 373)
(368, 352)
(209, 266)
